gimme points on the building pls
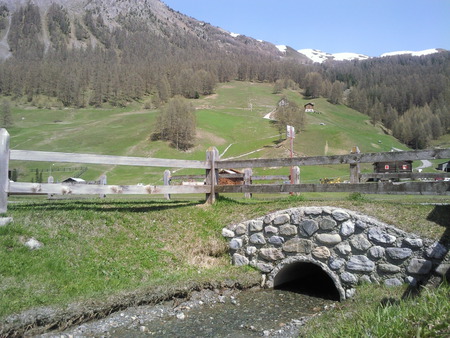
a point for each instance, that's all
(392, 167)
(444, 166)
(309, 107)
(230, 177)
(74, 180)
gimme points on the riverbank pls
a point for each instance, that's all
(105, 255)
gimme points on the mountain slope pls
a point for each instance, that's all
(131, 16)
(225, 120)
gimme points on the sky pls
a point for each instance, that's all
(370, 27)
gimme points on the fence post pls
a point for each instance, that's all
(248, 172)
(212, 174)
(103, 181)
(50, 180)
(167, 176)
(354, 168)
(4, 167)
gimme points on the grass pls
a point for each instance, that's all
(94, 248)
(378, 311)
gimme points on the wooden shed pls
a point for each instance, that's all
(393, 167)
(231, 177)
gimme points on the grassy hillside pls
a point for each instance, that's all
(231, 119)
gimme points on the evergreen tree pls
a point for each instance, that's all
(6, 116)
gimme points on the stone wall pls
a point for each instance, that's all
(351, 248)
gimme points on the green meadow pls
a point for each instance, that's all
(231, 120)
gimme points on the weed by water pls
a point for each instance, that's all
(384, 312)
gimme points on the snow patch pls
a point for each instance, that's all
(349, 56)
(419, 53)
(282, 48)
(235, 35)
(318, 56)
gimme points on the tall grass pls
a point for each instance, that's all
(384, 312)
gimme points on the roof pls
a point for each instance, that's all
(74, 180)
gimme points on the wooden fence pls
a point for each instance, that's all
(212, 165)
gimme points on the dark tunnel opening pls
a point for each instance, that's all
(306, 278)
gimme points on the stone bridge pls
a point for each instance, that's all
(346, 248)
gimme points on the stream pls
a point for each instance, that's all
(211, 313)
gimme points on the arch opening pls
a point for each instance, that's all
(306, 278)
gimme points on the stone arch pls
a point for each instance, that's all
(349, 247)
(283, 272)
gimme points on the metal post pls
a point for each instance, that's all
(4, 167)
(167, 177)
(212, 174)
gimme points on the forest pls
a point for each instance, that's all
(409, 95)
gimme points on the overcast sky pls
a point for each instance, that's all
(370, 27)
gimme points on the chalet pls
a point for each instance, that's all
(444, 166)
(309, 107)
(392, 167)
(74, 180)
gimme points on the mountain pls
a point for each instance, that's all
(318, 56)
(89, 22)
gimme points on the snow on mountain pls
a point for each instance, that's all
(349, 56)
(318, 56)
(282, 48)
(419, 53)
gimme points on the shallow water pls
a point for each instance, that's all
(252, 313)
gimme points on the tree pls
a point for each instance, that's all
(337, 89)
(313, 84)
(289, 113)
(6, 117)
(176, 123)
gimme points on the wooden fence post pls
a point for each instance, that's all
(248, 172)
(212, 174)
(167, 176)
(103, 181)
(4, 167)
(354, 168)
(50, 180)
